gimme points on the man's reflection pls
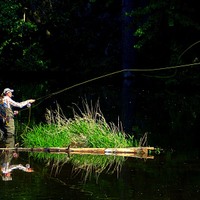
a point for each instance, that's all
(7, 155)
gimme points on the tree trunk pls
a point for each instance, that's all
(128, 52)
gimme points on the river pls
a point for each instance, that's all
(170, 117)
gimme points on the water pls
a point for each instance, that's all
(171, 118)
(164, 177)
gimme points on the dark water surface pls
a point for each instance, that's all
(171, 118)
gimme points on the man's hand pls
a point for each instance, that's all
(31, 100)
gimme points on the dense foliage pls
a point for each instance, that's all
(57, 35)
(165, 29)
(86, 35)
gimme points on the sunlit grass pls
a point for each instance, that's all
(86, 129)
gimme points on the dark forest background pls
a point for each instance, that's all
(89, 38)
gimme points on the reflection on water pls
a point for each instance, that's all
(86, 165)
(7, 155)
(161, 178)
(168, 176)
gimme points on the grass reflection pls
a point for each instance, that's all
(85, 164)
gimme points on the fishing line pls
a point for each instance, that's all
(41, 99)
(188, 49)
(113, 73)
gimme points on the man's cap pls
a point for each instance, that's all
(6, 90)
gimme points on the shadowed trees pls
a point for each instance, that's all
(95, 37)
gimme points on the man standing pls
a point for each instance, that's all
(9, 103)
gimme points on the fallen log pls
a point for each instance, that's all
(133, 150)
(130, 150)
(133, 155)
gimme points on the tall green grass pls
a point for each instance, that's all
(87, 128)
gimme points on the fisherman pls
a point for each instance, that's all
(9, 104)
(2, 118)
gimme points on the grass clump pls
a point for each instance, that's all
(88, 128)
